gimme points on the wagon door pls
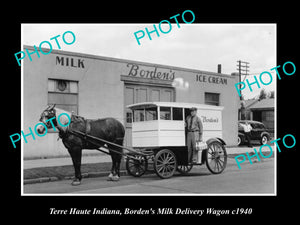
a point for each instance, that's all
(129, 99)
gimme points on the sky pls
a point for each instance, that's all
(194, 46)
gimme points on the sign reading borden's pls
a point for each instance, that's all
(211, 119)
(155, 74)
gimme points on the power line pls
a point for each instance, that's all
(260, 73)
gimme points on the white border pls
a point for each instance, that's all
(22, 117)
(167, 194)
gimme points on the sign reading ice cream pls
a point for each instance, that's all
(211, 79)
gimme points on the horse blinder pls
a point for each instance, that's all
(46, 115)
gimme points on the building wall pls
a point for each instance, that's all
(101, 91)
(228, 98)
(100, 95)
(266, 116)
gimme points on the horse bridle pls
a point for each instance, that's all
(50, 113)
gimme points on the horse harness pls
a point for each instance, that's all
(75, 119)
(87, 128)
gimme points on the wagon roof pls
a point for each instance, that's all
(177, 105)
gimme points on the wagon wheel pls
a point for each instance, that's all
(136, 165)
(216, 157)
(184, 169)
(165, 163)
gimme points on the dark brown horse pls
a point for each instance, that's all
(108, 129)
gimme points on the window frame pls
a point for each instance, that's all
(146, 117)
(68, 92)
(170, 112)
(212, 101)
(182, 116)
(134, 114)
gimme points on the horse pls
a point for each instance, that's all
(108, 129)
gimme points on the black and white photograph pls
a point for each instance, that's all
(165, 109)
(148, 114)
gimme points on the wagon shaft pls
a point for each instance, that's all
(97, 142)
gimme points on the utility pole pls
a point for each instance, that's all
(243, 69)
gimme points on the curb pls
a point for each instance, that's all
(40, 180)
(84, 175)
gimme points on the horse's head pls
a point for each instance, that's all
(47, 114)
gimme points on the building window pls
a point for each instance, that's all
(268, 115)
(62, 85)
(212, 98)
(128, 117)
(63, 93)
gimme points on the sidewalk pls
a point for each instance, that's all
(63, 161)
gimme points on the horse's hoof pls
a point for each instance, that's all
(115, 178)
(109, 178)
(76, 182)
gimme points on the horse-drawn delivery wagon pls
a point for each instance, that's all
(158, 137)
(158, 131)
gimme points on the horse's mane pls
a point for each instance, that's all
(76, 118)
(59, 111)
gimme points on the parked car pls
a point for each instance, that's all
(259, 132)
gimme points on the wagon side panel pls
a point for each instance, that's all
(145, 134)
(171, 133)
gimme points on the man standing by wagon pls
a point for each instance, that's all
(194, 132)
(247, 130)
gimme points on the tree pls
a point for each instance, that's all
(262, 95)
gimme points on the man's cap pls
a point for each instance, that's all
(193, 109)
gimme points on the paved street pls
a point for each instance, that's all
(257, 178)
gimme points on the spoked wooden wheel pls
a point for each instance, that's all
(216, 157)
(136, 165)
(184, 169)
(165, 163)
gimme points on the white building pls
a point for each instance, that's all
(96, 87)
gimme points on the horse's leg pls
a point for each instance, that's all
(119, 142)
(118, 164)
(112, 167)
(117, 159)
(115, 176)
(76, 153)
(114, 173)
